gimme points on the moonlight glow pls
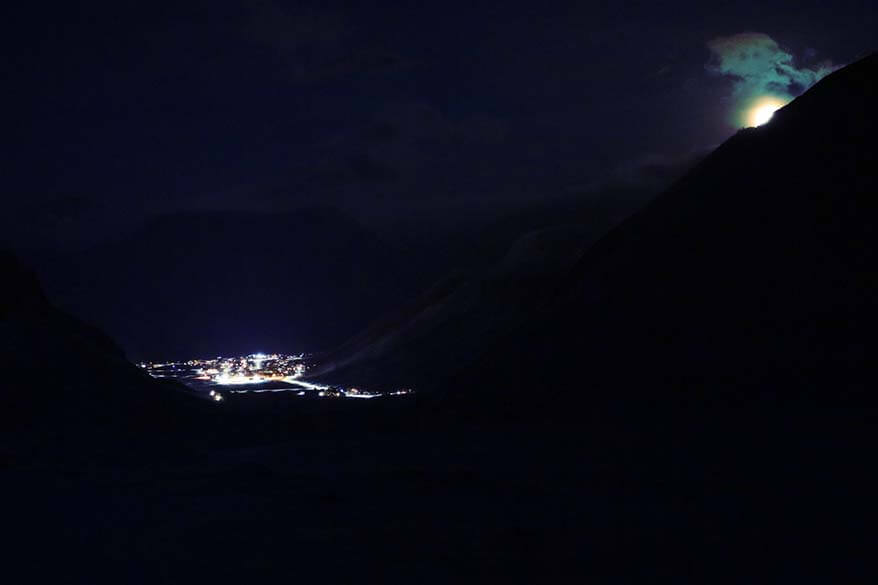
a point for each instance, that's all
(762, 110)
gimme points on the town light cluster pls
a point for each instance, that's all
(257, 373)
(250, 369)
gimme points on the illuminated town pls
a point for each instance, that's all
(255, 373)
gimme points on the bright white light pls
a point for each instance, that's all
(258, 358)
(218, 397)
(226, 379)
(762, 111)
(762, 115)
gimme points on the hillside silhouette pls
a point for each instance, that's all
(68, 388)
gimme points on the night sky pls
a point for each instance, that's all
(411, 111)
(141, 134)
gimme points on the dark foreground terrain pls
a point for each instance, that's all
(706, 497)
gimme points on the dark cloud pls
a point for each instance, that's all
(317, 43)
(294, 29)
(651, 171)
(367, 169)
(409, 151)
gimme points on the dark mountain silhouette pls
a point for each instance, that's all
(67, 386)
(198, 284)
(751, 278)
(499, 273)
(448, 326)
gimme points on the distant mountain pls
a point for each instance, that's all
(66, 385)
(453, 322)
(198, 284)
(502, 269)
(751, 279)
